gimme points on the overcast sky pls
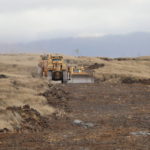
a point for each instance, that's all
(25, 20)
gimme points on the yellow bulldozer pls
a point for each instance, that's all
(54, 68)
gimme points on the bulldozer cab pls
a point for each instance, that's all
(57, 59)
(57, 69)
(56, 63)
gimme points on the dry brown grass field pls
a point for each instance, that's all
(20, 88)
(36, 114)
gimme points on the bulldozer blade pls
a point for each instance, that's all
(81, 79)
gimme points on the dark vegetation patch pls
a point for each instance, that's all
(124, 59)
(3, 76)
(95, 66)
(105, 58)
(4, 130)
(131, 80)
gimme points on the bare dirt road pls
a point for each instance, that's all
(92, 117)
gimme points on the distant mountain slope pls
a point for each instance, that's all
(135, 44)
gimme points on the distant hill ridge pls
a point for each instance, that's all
(127, 45)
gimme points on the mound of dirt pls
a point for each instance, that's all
(57, 96)
(95, 66)
(31, 119)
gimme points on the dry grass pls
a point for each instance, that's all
(122, 69)
(115, 70)
(22, 87)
